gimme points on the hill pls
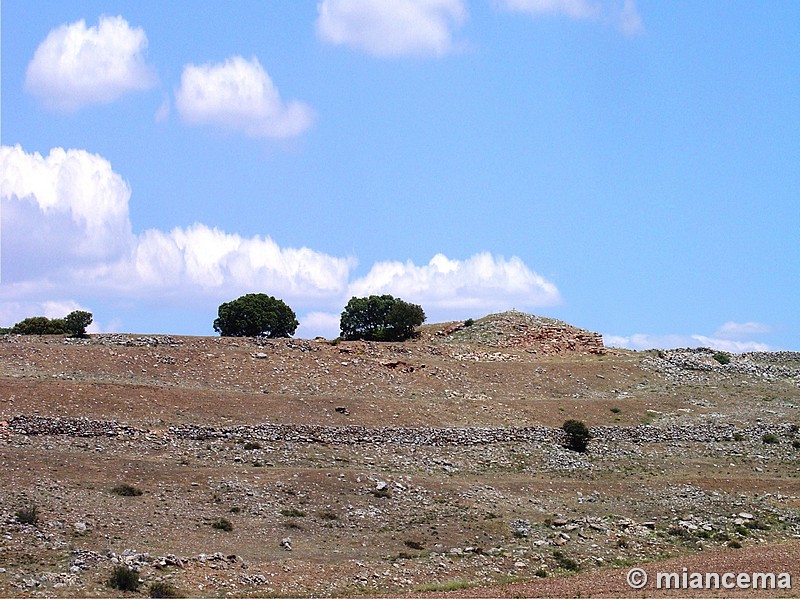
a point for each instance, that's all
(386, 468)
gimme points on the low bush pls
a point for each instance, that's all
(124, 578)
(126, 489)
(163, 589)
(565, 562)
(28, 515)
(770, 438)
(578, 435)
(722, 358)
(222, 524)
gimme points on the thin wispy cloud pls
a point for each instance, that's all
(397, 28)
(624, 15)
(238, 95)
(644, 341)
(76, 66)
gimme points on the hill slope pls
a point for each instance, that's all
(373, 468)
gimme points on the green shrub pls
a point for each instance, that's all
(124, 578)
(28, 515)
(222, 524)
(541, 573)
(578, 435)
(738, 437)
(252, 446)
(796, 444)
(615, 410)
(125, 489)
(292, 512)
(163, 589)
(40, 326)
(469, 322)
(734, 544)
(722, 358)
(565, 562)
(770, 438)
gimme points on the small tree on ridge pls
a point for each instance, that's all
(256, 315)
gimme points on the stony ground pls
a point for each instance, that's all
(430, 467)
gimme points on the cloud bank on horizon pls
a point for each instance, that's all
(67, 216)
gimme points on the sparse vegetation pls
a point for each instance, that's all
(722, 358)
(124, 578)
(469, 322)
(292, 512)
(565, 562)
(796, 444)
(414, 545)
(222, 524)
(770, 438)
(448, 586)
(578, 435)
(163, 589)
(28, 515)
(126, 489)
(252, 446)
(615, 410)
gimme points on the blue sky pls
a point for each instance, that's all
(629, 167)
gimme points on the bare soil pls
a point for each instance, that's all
(425, 468)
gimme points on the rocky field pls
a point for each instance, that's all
(252, 467)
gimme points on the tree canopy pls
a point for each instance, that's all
(380, 318)
(75, 324)
(256, 315)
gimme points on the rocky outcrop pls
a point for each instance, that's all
(515, 329)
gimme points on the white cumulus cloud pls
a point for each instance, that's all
(318, 323)
(207, 258)
(396, 28)
(76, 66)
(480, 283)
(67, 208)
(239, 95)
(66, 226)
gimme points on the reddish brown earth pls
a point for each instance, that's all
(373, 460)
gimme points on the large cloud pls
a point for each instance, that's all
(66, 209)
(66, 227)
(239, 95)
(480, 283)
(207, 258)
(66, 233)
(76, 66)
(396, 28)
